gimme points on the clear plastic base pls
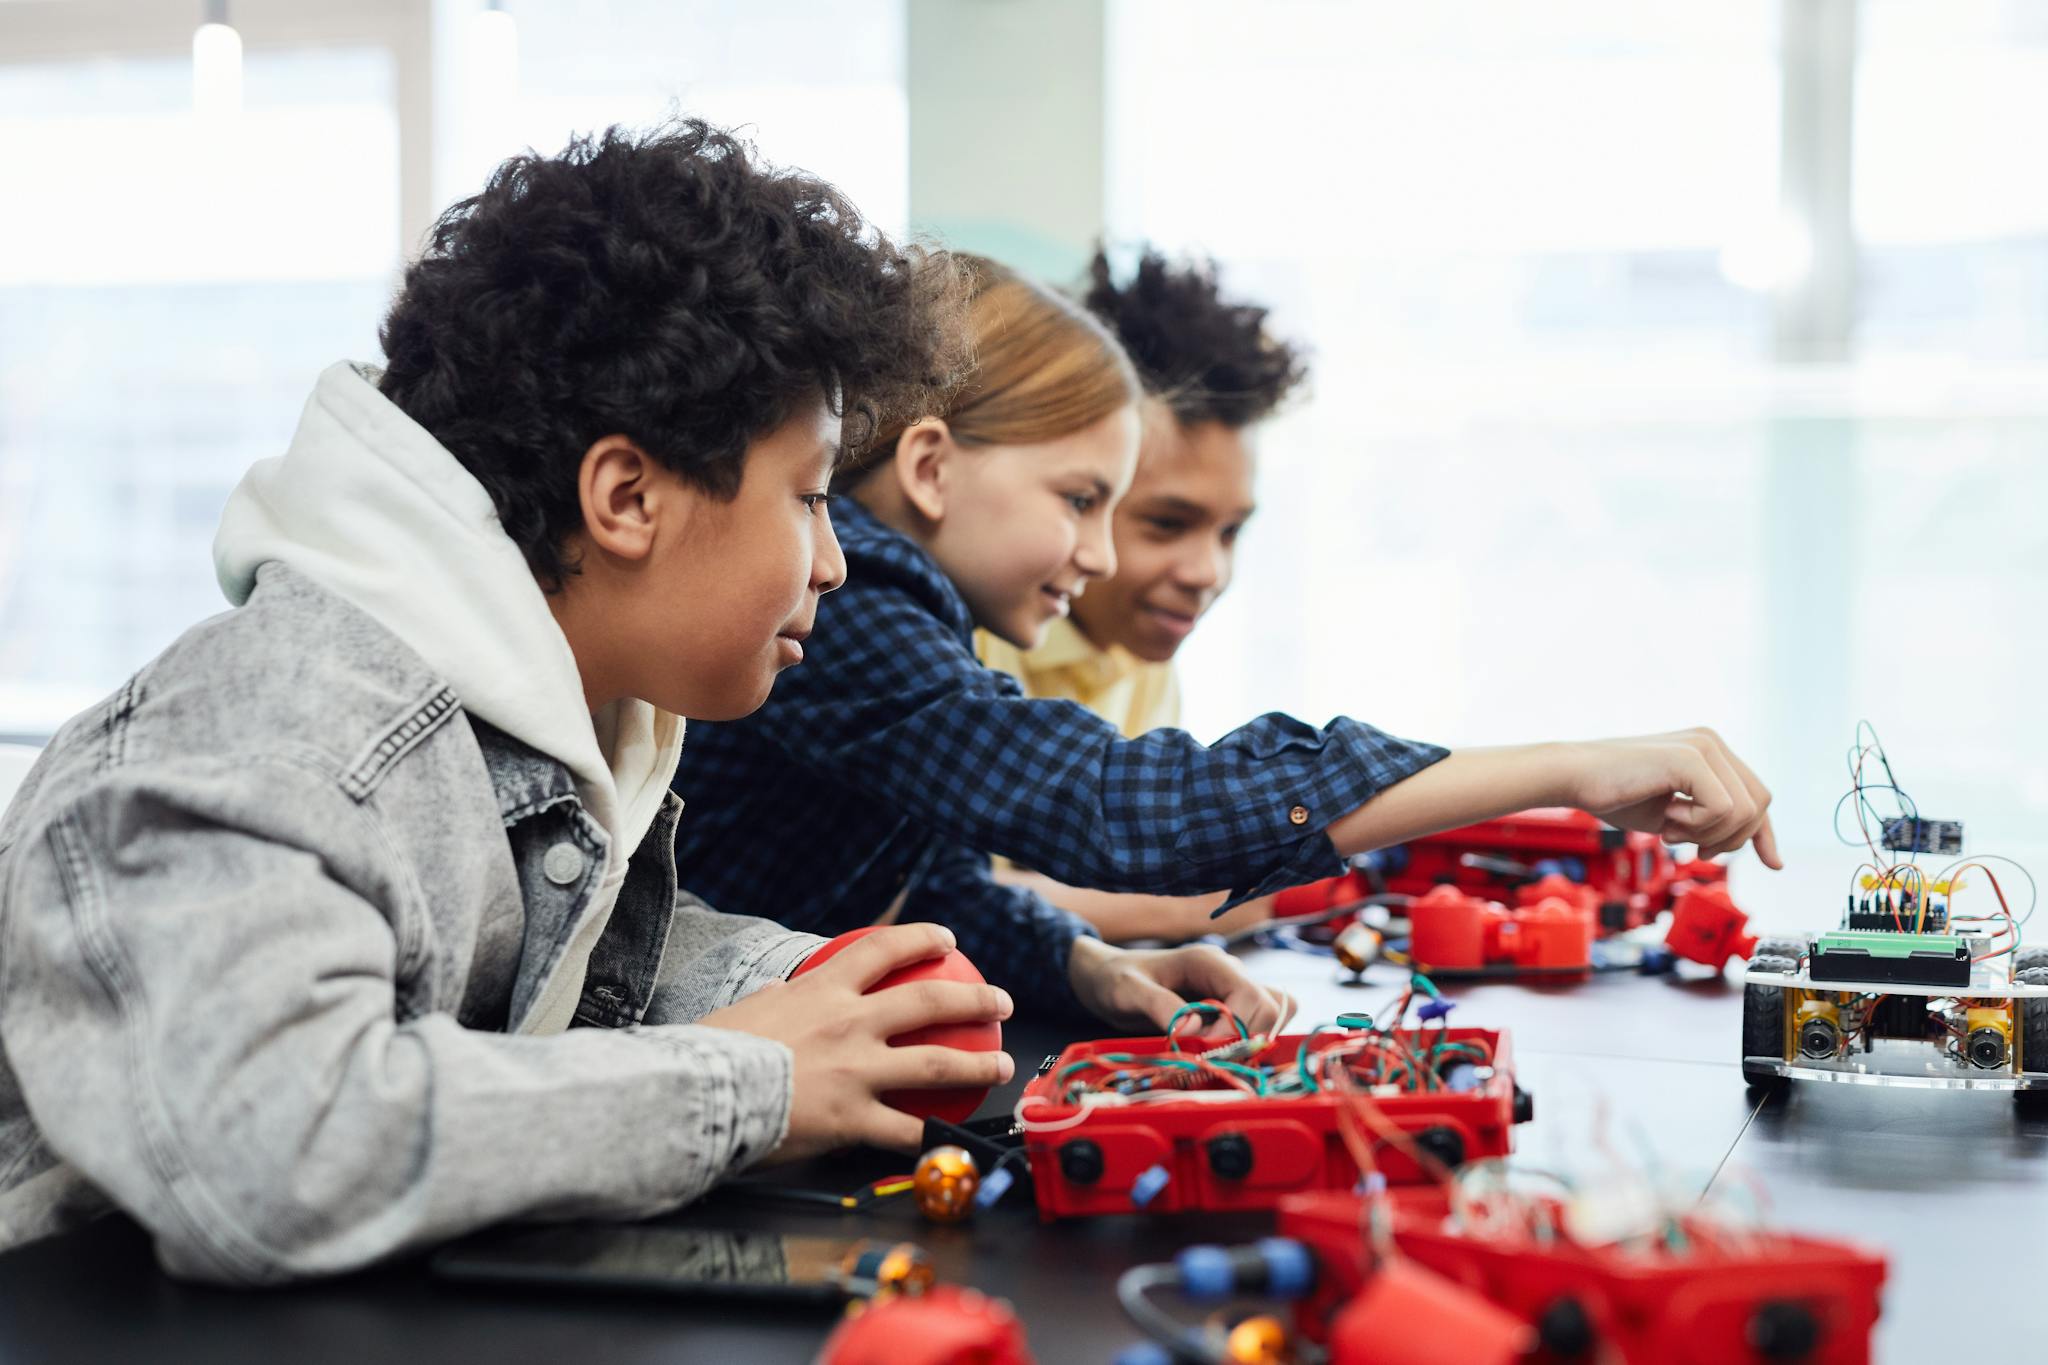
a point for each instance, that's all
(1927, 1070)
(1988, 981)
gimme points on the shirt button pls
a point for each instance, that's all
(1298, 816)
(563, 865)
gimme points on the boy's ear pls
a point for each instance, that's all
(623, 497)
(923, 461)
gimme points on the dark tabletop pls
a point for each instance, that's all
(1952, 1186)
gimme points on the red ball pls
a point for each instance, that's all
(945, 1325)
(955, 1105)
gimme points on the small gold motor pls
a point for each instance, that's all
(1819, 1026)
(1987, 1036)
(1358, 947)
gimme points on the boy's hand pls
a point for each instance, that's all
(1687, 786)
(1141, 988)
(839, 1037)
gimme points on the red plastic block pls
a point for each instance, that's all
(1451, 931)
(1632, 875)
(1723, 1301)
(944, 1325)
(1407, 1315)
(1248, 1152)
(1706, 927)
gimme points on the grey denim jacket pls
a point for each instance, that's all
(271, 919)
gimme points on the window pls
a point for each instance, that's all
(165, 301)
(1550, 481)
(178, 280)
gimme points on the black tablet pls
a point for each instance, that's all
(655, 1259)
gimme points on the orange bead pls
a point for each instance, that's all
(944, 1183)
(1256, 1341)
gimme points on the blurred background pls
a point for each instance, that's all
(1673, 362)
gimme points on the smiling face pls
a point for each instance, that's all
(1020, 529)
(1175, 535)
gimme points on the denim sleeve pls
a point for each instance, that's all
(1015, 938)
(209, 1027)
(713, 959)
(892, 704)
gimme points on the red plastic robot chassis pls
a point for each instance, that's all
(1721, 1301)
(1632, 875)
(1197, 1151)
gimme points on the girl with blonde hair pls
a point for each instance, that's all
(881, 776)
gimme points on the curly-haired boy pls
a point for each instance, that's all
(295, 925)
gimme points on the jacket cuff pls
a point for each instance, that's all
(1363, 763)
(776, 958)
(747, 1085)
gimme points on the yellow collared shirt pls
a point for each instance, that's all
(1133, 695)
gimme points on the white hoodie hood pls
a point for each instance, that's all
(373, 509)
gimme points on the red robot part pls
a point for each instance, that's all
(1407, 1315)
(1631, 877)
(1557, 886)
(1492, 857)
(944, 1325)
(1707, 928)
(1450, 931)
(1316, 897)
(1249, 1152)
(1711, 1299)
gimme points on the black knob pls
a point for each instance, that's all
(1442, 1143)
(1565, 1331)
(1783, 1330)
(1081, 1161)
(1230, 1156)
(1525, 1105)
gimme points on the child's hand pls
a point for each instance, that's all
(1687, 786)
(839, 1037)
(1141, 988)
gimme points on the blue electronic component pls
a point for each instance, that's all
(1910, 834)
(1290, 1267)
(1462, 1078)
(994, 1187)
(1272, 1265)
(1206, 1272)
(1149, 1183)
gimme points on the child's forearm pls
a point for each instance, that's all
(1122, 916)
(1686, 786)
(1469, 785)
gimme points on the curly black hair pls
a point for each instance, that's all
(667, 286)
(1209, 359)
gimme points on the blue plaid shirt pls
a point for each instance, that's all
(891, 761)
